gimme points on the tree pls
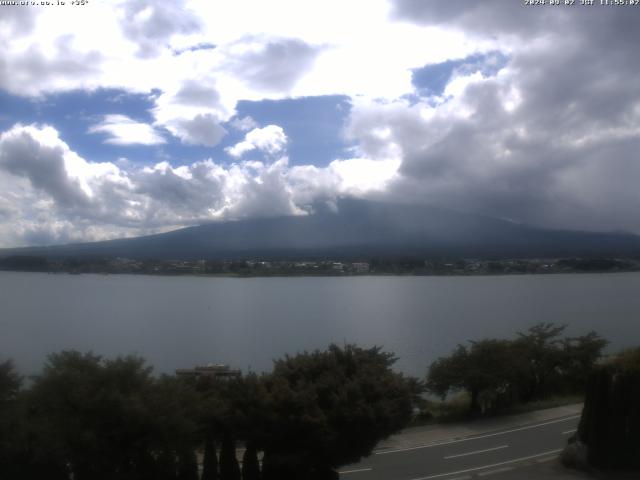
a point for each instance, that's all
(610, 422)
(11, 425)
(540, 350)
(210, 460)
(580, 355)
(106, 419)
(330, 408)
(498, 373)
(10, 383)
(229, 468)
(250, 465)
(484, 369)
(232, 409)
(187, 465)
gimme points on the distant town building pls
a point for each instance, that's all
(361, 267)
(209, 371)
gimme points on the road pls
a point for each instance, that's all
(464, 458)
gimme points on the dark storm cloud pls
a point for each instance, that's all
(172, 195)
(43, 166)
(486, 16)
(552, 140)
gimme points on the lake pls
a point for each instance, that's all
(179, 322)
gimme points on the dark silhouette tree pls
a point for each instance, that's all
(187, 465)
(250, 464)
(610, 422)
(210, 459)
(11, 420)
(166, 465)
(107, 419)
(229, 468)
(579, 356)
(486, 367)
(541, 358)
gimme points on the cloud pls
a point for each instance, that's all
(61, 70)
(48, 193)
(151, 24)
(197, 94)
(539, 122)
(496, 16)
(204, 129)
(270, 64)
(270, 140)
(17, 20)
(550, 139)
(38, 156)
(244, 124)
(122, 130)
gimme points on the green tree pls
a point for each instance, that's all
(107, 419)
(541, 359)
(498, 373)
(330, 408)
(484, 369)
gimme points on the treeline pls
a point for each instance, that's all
(85, 417)
(609, 430)
(499, 373)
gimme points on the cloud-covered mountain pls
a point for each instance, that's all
(356, 229)
(132, 118)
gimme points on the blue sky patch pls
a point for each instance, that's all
(313, 125)
(433, 79)
(73, 113)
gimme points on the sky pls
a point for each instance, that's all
(122, 118)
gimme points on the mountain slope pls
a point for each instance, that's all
(358, 229)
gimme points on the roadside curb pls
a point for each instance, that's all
(410, 438)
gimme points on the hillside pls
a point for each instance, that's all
(356, 229)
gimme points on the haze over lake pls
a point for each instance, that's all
(246, 322)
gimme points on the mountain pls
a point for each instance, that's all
(356, 229)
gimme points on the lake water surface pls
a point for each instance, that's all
(246, 322)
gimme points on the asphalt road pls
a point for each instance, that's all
(464, 458)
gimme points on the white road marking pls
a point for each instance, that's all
(546, 459)
(449, 442)
(355, 471)
(493, 472)
(477, 451)
(515, 460)
(569, 431)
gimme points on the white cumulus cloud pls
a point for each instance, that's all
(270, 139)
(122, 130)
(50, 194)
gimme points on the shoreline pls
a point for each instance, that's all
(328, 275)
